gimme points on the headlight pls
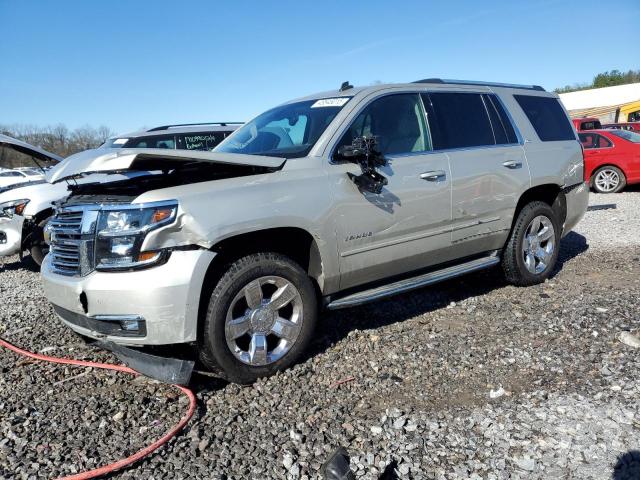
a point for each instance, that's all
(121, 233)
(13, 207)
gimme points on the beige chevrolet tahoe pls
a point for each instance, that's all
(325, 202)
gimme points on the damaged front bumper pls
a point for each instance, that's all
(157, 306)
(11, 235)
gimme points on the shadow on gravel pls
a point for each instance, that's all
(26, 264)
(570, 247)
(336, 325)
(627, 467)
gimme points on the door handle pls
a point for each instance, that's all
(434, 176)
(512, 164)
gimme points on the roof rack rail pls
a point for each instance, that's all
(167, 127)
(484, 84)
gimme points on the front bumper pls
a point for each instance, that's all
(11, 235)
(163, 299)
(577, 202)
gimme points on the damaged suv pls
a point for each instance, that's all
(329, 201)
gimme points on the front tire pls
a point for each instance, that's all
(532, 249)
(608, 179)
(261, 317)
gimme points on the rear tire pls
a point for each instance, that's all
(532, 249)
(608, 179)
(260, 319)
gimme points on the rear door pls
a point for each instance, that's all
(488, 167)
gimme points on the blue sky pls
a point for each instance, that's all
(128, 64)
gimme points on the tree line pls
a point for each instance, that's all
(56, 139)
(605, 79)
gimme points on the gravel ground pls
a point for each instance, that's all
(470, 379)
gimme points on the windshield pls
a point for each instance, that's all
(627, 135)
(288, 131)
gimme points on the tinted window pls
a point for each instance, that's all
(458, 120)
(593, 140)
(547, 117)
(627, 135)
(200, 140)
(397, 122)
(591, 125)
(10, 174)
(158, 141)
(502, 126)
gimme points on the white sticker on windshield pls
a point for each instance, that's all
(330, 102)
(120, 141)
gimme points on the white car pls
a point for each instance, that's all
(12, 177)
(25, 208)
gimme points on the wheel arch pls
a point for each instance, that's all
(549, 193)
(294, 242)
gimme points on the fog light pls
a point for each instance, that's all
(130, 325)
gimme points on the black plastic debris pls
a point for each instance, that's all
(337, 466)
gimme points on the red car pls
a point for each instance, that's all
(633, 126)
(612, 159)
(586, 123)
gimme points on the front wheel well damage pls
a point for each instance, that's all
(296, 243)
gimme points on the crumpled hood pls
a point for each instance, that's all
(149, 159)
(23, 147)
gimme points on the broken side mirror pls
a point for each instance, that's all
(363, 151)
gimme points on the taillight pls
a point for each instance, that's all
(584, 165)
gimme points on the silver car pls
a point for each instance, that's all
(328, 201)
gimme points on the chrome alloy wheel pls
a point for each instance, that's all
(538, 244)
(607, 180)
(264, 320)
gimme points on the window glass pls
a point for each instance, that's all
(627, 135)
(458, 120)
(588, 140)
(10, 174)
(591, 125)
(397, 122)
(200, 140)
(159, 141)
(502, 127)
(634, 116)
(547, 117)
(603, 142)
(288, 131)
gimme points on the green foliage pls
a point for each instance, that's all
(606, 79)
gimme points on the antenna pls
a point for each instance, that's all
(345, 86)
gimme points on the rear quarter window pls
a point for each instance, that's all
(547, 117)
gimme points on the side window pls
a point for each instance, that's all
(397, 122)
(603, 142)
(160, 141)
(458, 120)
(502, 127)
(199, 140)
(588, 140)
(634, 116)
(547, 117)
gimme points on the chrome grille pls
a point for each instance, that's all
(71, 239)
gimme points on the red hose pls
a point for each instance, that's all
(112, 467)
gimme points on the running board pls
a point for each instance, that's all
(408, 284)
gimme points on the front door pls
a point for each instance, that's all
(407, 226)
